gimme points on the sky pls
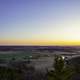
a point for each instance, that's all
(39, 22)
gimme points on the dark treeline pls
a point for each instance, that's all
(40, 48)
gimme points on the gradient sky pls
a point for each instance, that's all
(39, 22)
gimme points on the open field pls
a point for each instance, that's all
(14, 54)
(40, 59)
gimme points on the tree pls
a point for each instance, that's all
(61, 71)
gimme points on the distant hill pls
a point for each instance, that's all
(40, 48)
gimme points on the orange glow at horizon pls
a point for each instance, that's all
(39, 42)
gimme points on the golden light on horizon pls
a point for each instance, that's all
(40, 42)
(40, 22)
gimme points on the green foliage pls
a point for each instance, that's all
(25, 71)
(8, 74)
(61, 71)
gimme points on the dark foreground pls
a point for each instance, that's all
(23, 70)
(20, 64)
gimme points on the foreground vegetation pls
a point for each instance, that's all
(25, 71)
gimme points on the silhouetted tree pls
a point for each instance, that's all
(61, 71)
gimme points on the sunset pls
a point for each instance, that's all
(40, 43)
(39, 39)
(32, 22)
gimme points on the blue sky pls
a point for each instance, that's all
(39, 20)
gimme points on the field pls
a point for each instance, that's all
(14, 54)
